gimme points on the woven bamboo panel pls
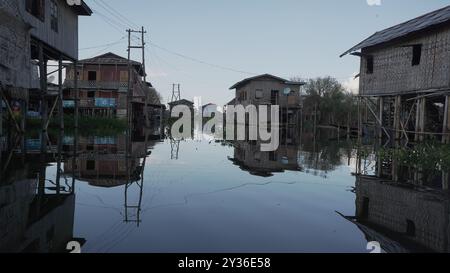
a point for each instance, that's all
(394, 72)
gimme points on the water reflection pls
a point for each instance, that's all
(36, 208)
(317, 154)
(165, 190)
(401, 205)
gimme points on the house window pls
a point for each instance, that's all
(259, 94)
(91, 94)
(90, 165)
(274, 97)
(54, 15)
(92, 75)
(417, 55)
(369, 67)
(243, 96)
(36, 8)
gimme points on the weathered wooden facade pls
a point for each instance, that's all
(271, 90)
(32, 34)
(405, 77)
(103, 89)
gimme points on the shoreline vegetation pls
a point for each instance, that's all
(99, 126)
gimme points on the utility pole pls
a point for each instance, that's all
(176, 92)
(130, 89)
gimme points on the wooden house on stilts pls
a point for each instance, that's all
(36, 37)
(405, 78)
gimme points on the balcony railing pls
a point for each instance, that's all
(93, 102)
(121, 86)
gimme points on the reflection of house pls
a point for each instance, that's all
(270, 90)
(248, 156)
(31, 220)
(401, 217)
(102, 161)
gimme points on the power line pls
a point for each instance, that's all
(200, 61)
(105, 45)
(109, 21)
(118, 21)
(119, 14)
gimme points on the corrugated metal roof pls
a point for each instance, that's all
(245, 81)
(112, 59)
(418, 24)
(107, 58)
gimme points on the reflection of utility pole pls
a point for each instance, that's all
(174, 148)
(136, 218)
(135, 179)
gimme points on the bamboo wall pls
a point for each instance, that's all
(393, 70)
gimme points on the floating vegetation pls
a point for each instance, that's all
(432, 156)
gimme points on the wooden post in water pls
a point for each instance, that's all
(397, 116)
(43, 97)
(360, 129)
(381, 113)
(420, 119)
(446, 125)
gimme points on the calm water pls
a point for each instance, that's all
(210, 196)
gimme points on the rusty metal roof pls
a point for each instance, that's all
(421, 23)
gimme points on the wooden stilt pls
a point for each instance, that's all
(60, 98)
(43, 97)
(360, 129)
(77, 94)
(420, 119)
(397, 117)
(380, 117)
(446, 125)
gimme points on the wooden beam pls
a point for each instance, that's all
(8, 107)
(51, 113)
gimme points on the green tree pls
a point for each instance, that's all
(328, 101)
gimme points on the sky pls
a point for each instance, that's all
(208, 45)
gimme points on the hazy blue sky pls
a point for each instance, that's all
(283, 37)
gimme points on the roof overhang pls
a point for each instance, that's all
(419, 25)
(82, 10)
